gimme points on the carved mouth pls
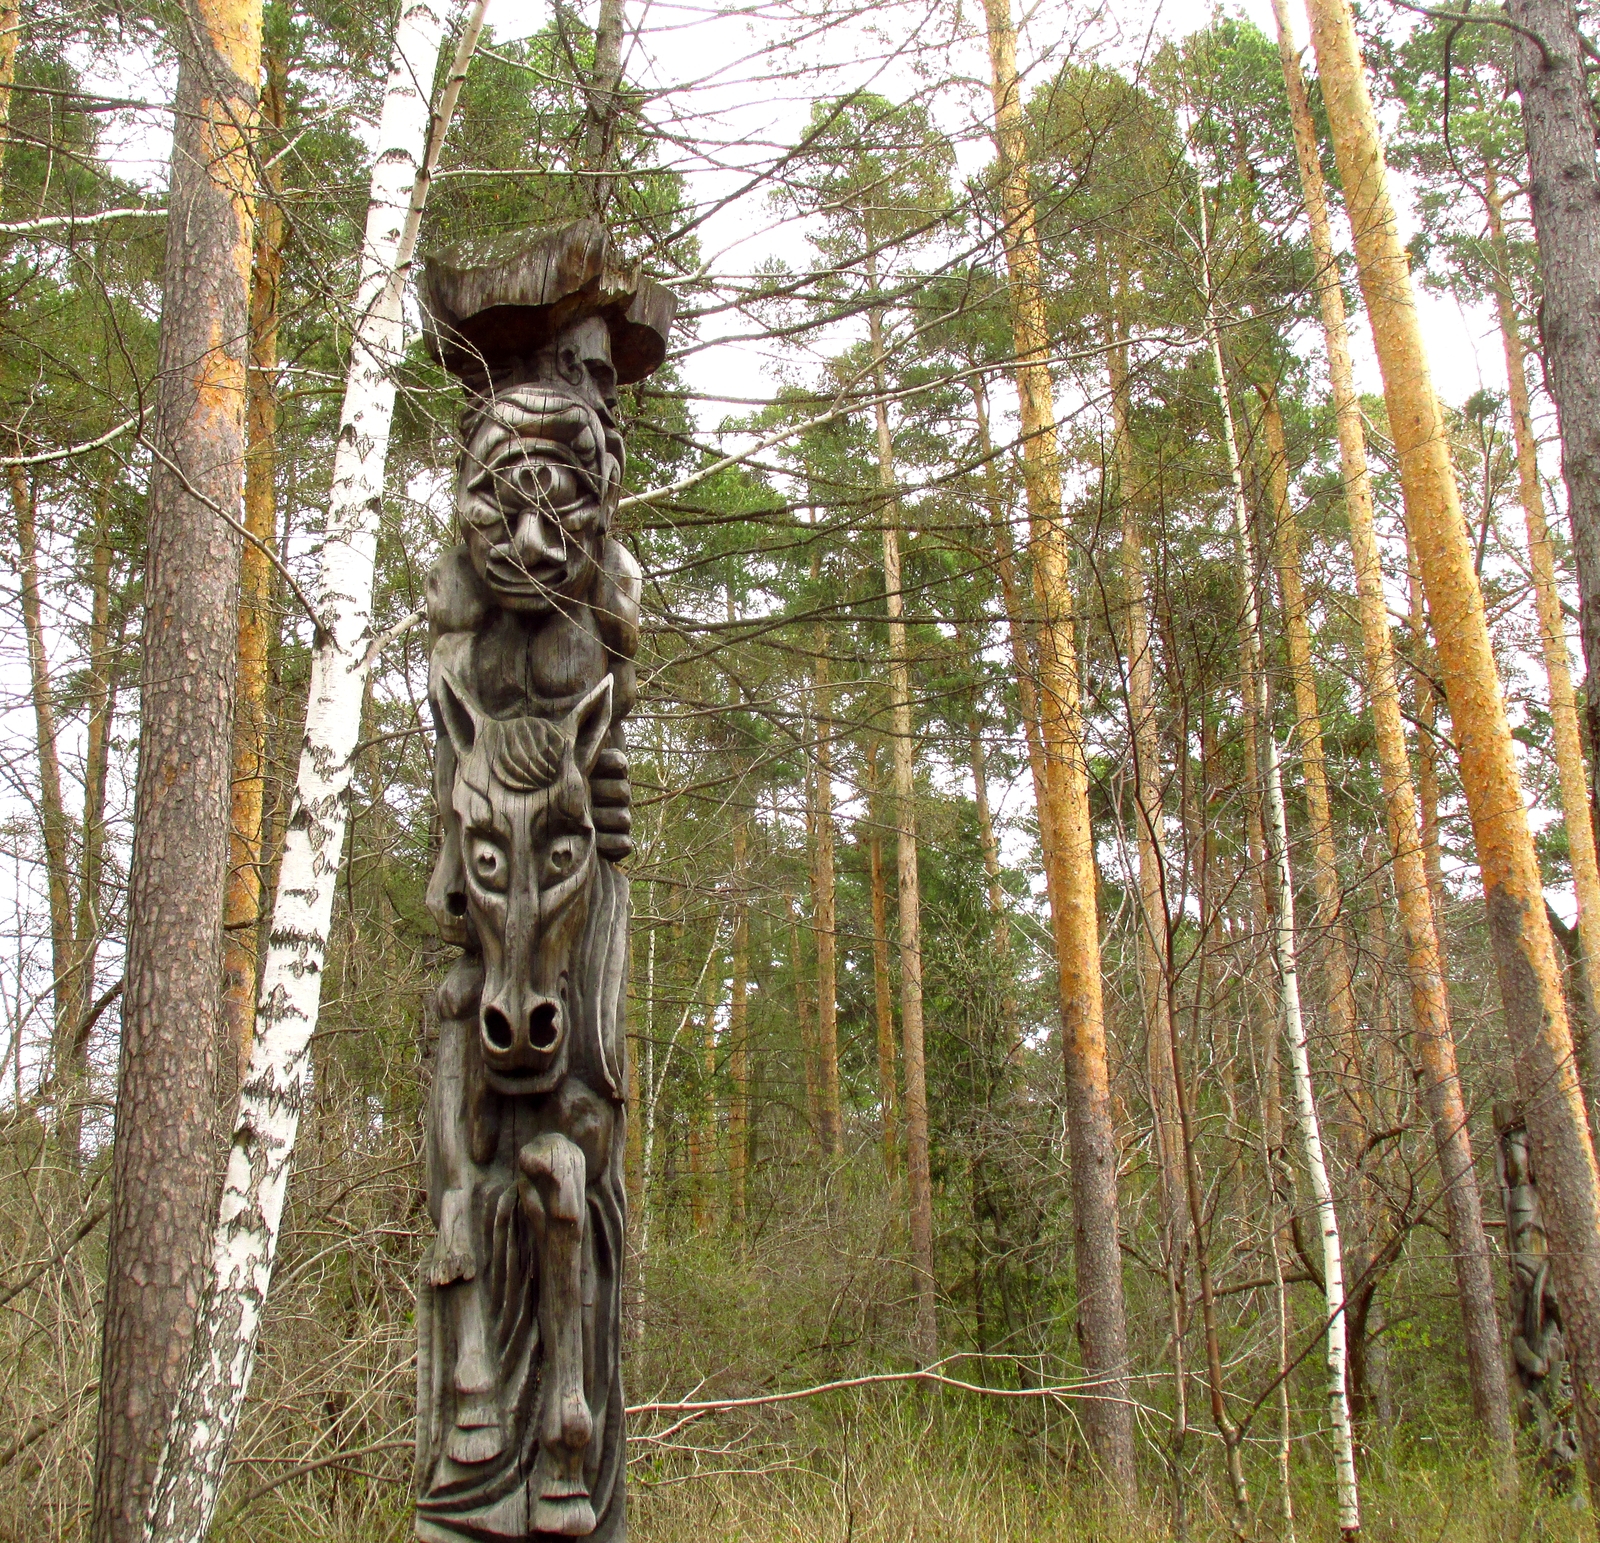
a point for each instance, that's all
(511, 577)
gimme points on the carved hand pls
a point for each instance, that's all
(611, 798)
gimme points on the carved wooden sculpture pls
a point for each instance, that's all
(535, 622)
(1538, 1348)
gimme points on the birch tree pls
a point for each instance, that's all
(1280, 891)
(194, 1457)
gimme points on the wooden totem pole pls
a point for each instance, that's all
(534, 619)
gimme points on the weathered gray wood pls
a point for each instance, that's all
(535, 624)
(1538, 1347)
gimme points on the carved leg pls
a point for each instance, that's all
(553, 1195)
(475, 1434)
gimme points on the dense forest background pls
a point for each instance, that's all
(819, 183)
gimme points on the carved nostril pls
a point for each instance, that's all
(456, 903)
(542, 1027)
(497, 1028)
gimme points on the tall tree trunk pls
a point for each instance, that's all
(104, 666)
(52, 812)
(1564, 197)
(241, 907)
(1149, 837)
(10, 37)
(919, 1177)
(194, 1459)
(1000, 921)
(882, 984)
(163, 1187)
(738, 1040)
(1352, 1129)
(1425, 699)
(823, 919)
(1530, 983)
(600, 105)
(1063, 800)
(1011, 598)
(703, 1114)
(1434, 1039)
(1568, 736)
(804, 1005)
(1280, 889)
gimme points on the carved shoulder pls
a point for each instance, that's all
(617, 610)
(457, 599)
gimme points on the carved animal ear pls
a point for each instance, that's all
(588, 724)
(457, 713)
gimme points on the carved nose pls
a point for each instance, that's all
(517, 1037)
(544, 1026)
(539, 540)
(497, 1029)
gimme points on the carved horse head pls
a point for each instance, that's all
(522, 803)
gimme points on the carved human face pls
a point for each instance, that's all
(521, 799)
(539, 475)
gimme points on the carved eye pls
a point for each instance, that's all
(563, 856)
(489, 865)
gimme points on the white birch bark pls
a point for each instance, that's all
(1280, 884)
(194, 1457)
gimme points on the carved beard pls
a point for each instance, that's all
(537, 483)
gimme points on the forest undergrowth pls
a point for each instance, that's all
(812, 1297)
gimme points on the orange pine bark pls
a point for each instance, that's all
(1530, 985)
(1063, 799)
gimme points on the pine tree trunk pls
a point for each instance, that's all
(999, 920)
(10, 37)
(52, 813)
(1154, 976)
(163, 1188)
(703, 1115)
(1568, 735)
(194, 1459)
(804, 1005)
(823, 919)
(241, 907)
(1564, 197)
(1530, 984)
(104, 668)
(1280, 891)
(738, 1045)
(1005, 567)
(1425, 699)
(919, 1176)
(1434, 1039)
(1063, 802)
(882, 984)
